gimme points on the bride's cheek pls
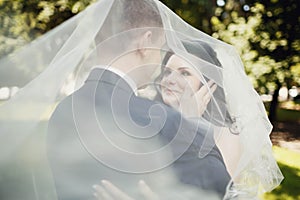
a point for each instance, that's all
(171, 100)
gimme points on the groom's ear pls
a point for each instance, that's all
(144, 43)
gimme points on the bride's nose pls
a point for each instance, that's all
(172, 78)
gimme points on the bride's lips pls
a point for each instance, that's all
(170, 91)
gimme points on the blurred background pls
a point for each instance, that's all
(266, 33)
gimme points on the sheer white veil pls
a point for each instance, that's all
(59, 62)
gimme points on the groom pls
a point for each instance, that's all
(105, 131)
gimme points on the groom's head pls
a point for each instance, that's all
(141, 13)
(133, 33)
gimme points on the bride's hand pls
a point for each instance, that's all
(193, 104)
(108, 191)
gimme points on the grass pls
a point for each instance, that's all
(288, 160)
(289, 163)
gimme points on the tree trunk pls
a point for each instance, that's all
(274, 104)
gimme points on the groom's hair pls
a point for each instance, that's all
(140, 13)
(130, 18)
(139, 16)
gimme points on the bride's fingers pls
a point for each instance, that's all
(210, 83)
(101, 194)
(115, 192)
(146, 191)
(207, 97)
(210, 92)
(203, 98)
(206, 101)
(207, 85)
(205, 90)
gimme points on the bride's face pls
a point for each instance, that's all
(178, 76)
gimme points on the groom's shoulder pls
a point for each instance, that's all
(62, 111)
(155, 105)
(167, 115)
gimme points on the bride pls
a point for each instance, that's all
(119, 44)
(179, 86)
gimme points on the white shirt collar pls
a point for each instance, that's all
(124, 76)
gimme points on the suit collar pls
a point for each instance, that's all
(111, 77)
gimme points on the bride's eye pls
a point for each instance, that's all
(185, 73)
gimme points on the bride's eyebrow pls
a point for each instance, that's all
(183, 68)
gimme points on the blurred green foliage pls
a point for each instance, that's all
(268, 40)
(22, 21)
(195, 12)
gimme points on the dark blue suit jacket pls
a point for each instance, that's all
(105, 110)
